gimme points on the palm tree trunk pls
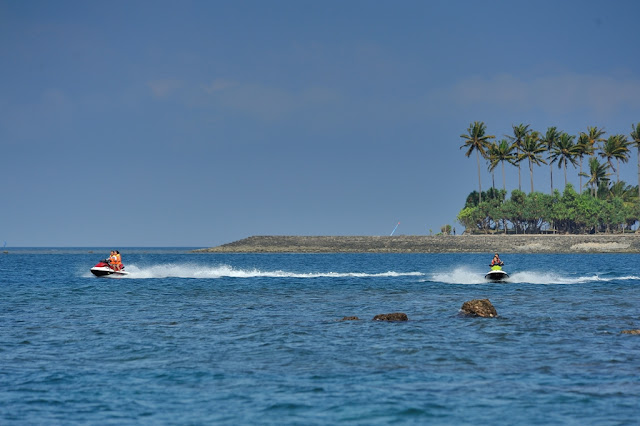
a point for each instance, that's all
(504, 182)
(551, 170)
(531, 173)
(565, 174)
(618, 169)
(479, 184)
(519, 180)
(580, 191)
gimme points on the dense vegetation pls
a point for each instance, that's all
(608, 206)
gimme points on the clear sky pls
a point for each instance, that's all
(197, 123)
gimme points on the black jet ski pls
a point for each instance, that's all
(496, 274)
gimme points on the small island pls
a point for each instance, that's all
(597, 243)
(600, 220)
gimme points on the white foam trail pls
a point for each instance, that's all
(531, 277)
(199, 271)
(460, 275)
(463, 275)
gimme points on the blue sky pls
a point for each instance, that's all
(164, 123)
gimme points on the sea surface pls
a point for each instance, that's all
(258, 339)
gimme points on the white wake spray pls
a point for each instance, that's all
(463, 275)
(220, 271)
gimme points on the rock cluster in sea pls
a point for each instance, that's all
(396, 316)
(479, 308)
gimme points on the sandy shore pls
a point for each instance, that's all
(601, 243)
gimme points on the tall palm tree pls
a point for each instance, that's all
(616, 146)
(519, 133)
(597, 174)
(635, 135)
(549, 140)
(564, 151)
(594, 135)
(476, 140)
(499, 153)
(583, 148)
(532, 150)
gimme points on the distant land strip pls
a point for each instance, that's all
(597, 243)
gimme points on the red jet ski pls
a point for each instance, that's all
(103, 268)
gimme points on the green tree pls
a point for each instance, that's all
(499, 153)
(532, 150)
(583, 148)
(513, 208)
(635, 136)
(616, 146)
(549, 140)
(593, 136)
(477, 140)
(519, 133)
(597, 173)
(564, 151)
(564, 210)
(470, 218)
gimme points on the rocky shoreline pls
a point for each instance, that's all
(600, 243)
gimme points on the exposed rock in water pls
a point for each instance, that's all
(479, 308)
(396, 316)
(350, 319)
(630, 331)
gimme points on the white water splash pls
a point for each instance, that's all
(199, 271)
(460, 275)
(463, 275)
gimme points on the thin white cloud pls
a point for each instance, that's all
(265, 102)
(218, 85)
(603, 95)
(163, 88)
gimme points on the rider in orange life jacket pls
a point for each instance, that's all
(496, 261)
(118, 260)
(115, 261)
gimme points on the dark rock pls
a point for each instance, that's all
(350, 319)
(396, 316)
(630, 331)
(479, 308)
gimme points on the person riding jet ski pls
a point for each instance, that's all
(496, 261)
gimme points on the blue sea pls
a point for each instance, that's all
(258, 339)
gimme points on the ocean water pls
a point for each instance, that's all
(257, 339)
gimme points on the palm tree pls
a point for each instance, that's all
(635, 135)
(583, 148)
(594, 135)
(597, 174)
(499, 153)
(616, 146)
(550, 139)
(519, 133)
(626, 193)
(477, 141)
(532, 149)
(564, 151)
